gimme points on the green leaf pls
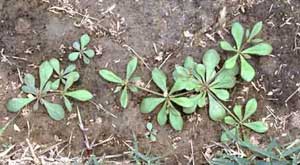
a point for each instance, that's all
(55, 111)
(221, 93)
(45, 72)
(162, 115)
(180, 73)
(90, 53)
(84, 40)
(70, 68)
(29, 89)
(237, 32)
(131, 67)
(110, 76)
(256, 149)
(226, 46)
(202, 100)
(73, 75)
(216, 111)
(150, 103)
(29, 80)
(200, 69)
(237, 109)
(247, 71)
(225, 79)
(229, 120)
(47, 87)
(190, 110)
(133, 89)
(250, 109)
(247, 33)
(260, 49)
(149, 126)
(183, 101)
(211, 59)
(73, 56)
(55, 84)
(55, 65)
(76, 45)
(160, 79)
(70, 81)
(290, 151)
(189, 63)
(124, 98)
(257, 126)
(86, 60)
(68, 104)
(176, 120)
(16, 104)
(231, 62)
(255, 30)
(225, 138)
(81, 95)
(183, 84)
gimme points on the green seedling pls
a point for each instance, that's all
(240, 120)
(152, 132)
(247, 45)
(141, 158)
(81, 50)
(123, 85)
(44, 93)
(168, 99)
(62, 75)
(206, 83)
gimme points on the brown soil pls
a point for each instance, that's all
(30, 33)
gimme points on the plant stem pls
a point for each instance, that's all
(182, 94)
(149, 90)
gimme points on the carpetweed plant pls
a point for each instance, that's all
(151, 132)
(81, 50)
(239, 120)
(49, 90)
(206, 83)
(247, 45)
(124, 85)
(200, 82)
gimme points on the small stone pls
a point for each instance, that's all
(295, 122)
(23, 26)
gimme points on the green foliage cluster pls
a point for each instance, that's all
(151, 132)
(195, 85)
(246, 45)
(273, 153)
(240, 120)
(54, 83)
(81, 50)
(200, 84)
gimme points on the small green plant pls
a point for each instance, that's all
(151, 132)
(62, 75)
(199, 81)
(239, 120)
(124, 85)
(247, 45)
(141, 158)
(44, 93)
(273, 153)
(81, 50)
(206, 83)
